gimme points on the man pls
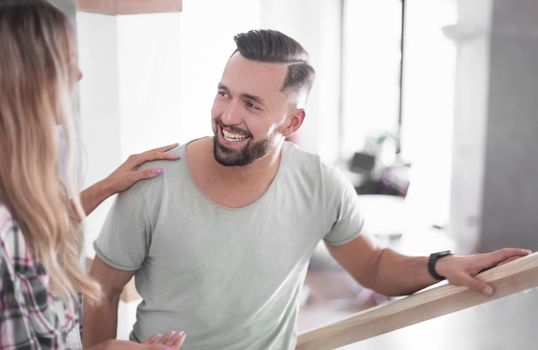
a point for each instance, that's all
(220, 242)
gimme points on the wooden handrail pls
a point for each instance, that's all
(510, 278)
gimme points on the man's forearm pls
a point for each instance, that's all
(391, 273)
(382, 270)
(100, 320)
(401, 274)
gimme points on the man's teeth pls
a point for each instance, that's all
(230, 136)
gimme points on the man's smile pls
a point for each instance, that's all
(233, 137)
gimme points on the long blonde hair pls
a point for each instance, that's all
(36, 79)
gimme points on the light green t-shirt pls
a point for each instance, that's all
(230, 278)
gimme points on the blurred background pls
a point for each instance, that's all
(429, 106)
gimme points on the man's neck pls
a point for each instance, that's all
(260, 171)
(233, 186)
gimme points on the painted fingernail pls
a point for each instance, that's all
(488, 290)
(157, 171)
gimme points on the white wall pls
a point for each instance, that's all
(428, 109)
(149, 80)
(128, 96)
(316, 25)
(372, 38)
(99, 106)
(207, 28)
(472, 35)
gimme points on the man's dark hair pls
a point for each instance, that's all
(275, 47)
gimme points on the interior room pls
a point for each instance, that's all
(429, 108)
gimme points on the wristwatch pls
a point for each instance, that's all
(434, 257)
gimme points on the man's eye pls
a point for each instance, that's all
(222, 93)
(251, 105)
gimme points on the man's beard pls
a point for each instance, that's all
(246, 155)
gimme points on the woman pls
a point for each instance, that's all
(40, 208)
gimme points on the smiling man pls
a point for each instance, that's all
(220, 243)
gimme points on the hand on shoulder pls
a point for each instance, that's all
(126, 175)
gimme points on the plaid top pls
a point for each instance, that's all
(30, 316)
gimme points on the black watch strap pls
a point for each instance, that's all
(433, 260)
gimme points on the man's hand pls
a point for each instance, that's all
(461, 270)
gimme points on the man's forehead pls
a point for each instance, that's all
(253, 73)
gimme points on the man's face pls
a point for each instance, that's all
(249, 110)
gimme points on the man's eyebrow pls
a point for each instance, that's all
(223, 87)
(254, 98)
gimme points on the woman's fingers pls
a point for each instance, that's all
(178, 341)
(147, 173)
(137, 160)
(153, 339)
(171, 339)
(165, 148)
(166, 337)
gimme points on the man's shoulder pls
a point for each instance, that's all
(308, 161)
(173, 172)
(297, 155)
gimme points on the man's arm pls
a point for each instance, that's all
(100, 320)
(391, 273)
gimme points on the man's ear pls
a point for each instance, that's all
(294, 122)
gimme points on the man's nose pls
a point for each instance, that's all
(232, 114)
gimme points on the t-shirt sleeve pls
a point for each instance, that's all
(343, 209)
(125, 237)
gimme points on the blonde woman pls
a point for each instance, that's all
(40, 208)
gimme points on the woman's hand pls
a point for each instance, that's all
(124, 177)
(167, 341)
(128, 173)
(172, 339)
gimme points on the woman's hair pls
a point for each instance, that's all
(37, 74)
